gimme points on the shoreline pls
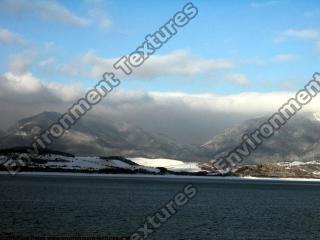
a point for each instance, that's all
(234, 178)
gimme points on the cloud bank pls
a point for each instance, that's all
(189, 118)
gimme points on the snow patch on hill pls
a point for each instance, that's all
(170, 164)
(298, 163)
(54, 161)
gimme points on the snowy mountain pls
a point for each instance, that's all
(58, 161)
(55, 161)
(298, 140)
(170, 164)
(94, 137)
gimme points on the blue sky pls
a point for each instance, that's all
(264, 46)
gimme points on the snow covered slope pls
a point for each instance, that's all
(170, 164)
(51, 161)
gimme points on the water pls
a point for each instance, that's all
(117, 206)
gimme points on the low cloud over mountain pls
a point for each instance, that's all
(298, 140)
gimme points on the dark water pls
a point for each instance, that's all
(114, 206)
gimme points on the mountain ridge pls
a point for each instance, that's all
(291, 142)
(91, 136)
(298, 140)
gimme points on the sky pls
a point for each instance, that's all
(234, 57)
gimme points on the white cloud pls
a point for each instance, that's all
(307, 34)
(71, 69)
(174, 64)
(20, 83)
(66, 92)
(48, 65)
(238, 79)
(282, 58)
(26, 85)
(192, 117)
(105, 24)
(7, 37)
(51, 66)
(98, 14)
(47, 10)
(181, 63)
(20, 63)
(57, 13)
(259, 102)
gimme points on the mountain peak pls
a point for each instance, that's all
(93, 136)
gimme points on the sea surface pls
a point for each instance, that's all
(114, 206)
